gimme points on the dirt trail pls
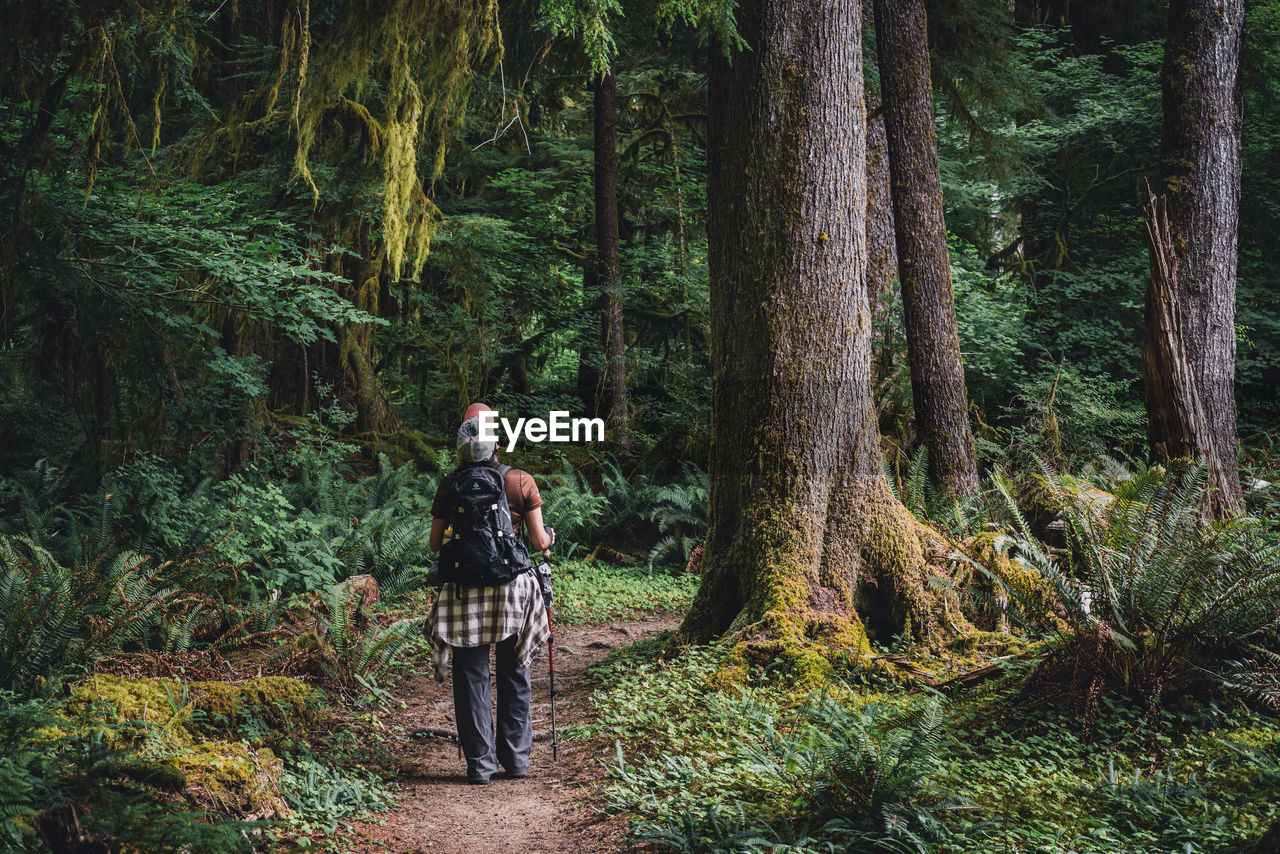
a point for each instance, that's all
(438, 811)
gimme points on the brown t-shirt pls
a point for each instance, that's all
(522, 496)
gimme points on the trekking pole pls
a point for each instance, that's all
(544, 581)
(551, 667)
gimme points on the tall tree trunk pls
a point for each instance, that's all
(1188, 351)
(882, 263)
(804, 534)
(882, 250)
(374, 413)
(608, 259)
(924, 265)
(588, 379)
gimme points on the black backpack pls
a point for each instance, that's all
(483, 551)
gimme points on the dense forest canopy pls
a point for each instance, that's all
(937, 342)
(214, 223)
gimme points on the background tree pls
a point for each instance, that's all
(1188, 352)
(924, 263)
(608, 261)
(804, 534)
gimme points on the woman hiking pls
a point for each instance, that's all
(489, 597)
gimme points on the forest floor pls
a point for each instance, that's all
(549, 810)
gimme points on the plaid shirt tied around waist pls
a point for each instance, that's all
(474, 616)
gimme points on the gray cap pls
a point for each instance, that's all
(470, 448)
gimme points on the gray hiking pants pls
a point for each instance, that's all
(474, 713)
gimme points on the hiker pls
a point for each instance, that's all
(488, 596)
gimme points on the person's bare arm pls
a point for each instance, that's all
(537, 535)
(437, 534)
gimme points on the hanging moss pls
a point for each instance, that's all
(423, 54)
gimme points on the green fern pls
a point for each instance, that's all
(356, 649)
(572, 507)
(916, 482)
(1155, 596)
(866, 775)
(680, 513)
(61, 619)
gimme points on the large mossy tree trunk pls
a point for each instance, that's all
(608, 255)
(924, 263)
(806, 547)
(1188, 351)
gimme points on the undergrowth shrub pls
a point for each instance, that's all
(87, 792)
(1156, 598)
(864, 777)
(958, 516)
(625, 519)
(1195, 777)
(572, 508)
(322, 796)
(1070, 415)
(703, 769)
(680, 513)
(294, 526)
(356, 652)
(57, 620)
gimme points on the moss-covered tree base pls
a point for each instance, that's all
(812, 604)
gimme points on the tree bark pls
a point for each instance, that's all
(882, 265)
(924, 264)
(608, 257)
(588, 379)
(1188, 352)
(374, 413)
(804, 536)
(882, 250)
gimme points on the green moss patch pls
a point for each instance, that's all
(156, 711)
(232, 778)
(169, 722)
(278, 704)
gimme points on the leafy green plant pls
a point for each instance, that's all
(680, 512)
(58, 619)
(357, 652)
(959, 516)
(1071, 416)
(627, 501)
(1163, 598)
(865, 776)
(324, 795)
(596, 591)
(572, 508)
(754, 776)
(48, 770)
(1174, 785)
